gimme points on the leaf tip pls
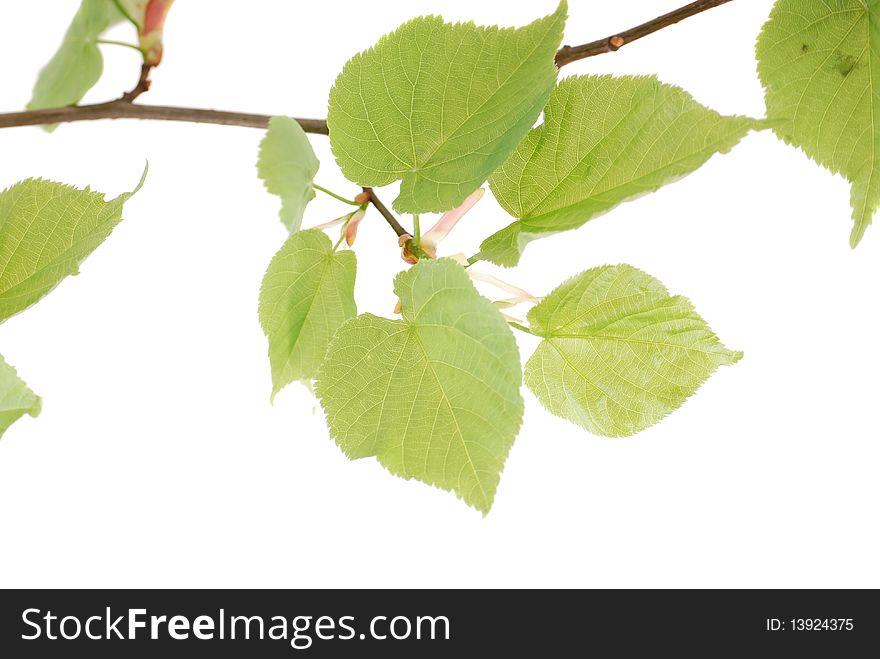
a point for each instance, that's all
(858, 231)
(143, 178)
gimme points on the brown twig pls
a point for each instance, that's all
(569, 54)
(387, 214)
(142, 85)
(124, 108)
(407, 240)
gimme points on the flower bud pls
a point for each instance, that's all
(405, 254)
(151, 32)
(352, 226)
(150, 18)
(447, 222)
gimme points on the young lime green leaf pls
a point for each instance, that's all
(288, 165)
(307, 293)
(619, 353)
(16, 399)
(440, 106)
(434, 396)
(46, 230)
(77, 64)
(820, 66)
(604, 140)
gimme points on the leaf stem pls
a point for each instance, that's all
(521, 328)
(111, 42)
(334, 195)
(339, 242)
(417, 228)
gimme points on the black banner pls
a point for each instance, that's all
(420, 623)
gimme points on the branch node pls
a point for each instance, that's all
(142, 85)
(569, 54)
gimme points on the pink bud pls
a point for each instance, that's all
(405, 254)
(352, 227)
(151, 30)
(446, 223)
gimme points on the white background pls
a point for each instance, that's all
(158, 460)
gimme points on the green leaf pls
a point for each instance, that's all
(820, 66)
(46, 230)
(77, 65)
(16, 399)
(135, 11)
(307, 294)
(619, 353)
(604, 140)
(440, 106)
(288, 165)
(434, 396)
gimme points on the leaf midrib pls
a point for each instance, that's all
(538, 42)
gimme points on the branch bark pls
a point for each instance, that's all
(143, 85)
(405, 238)
(387, 214)
(569, 54)
(124, 108)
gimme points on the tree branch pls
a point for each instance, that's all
(143, 85)
(406, 240)
(124, 108)
(569, 54)
(387, 214)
